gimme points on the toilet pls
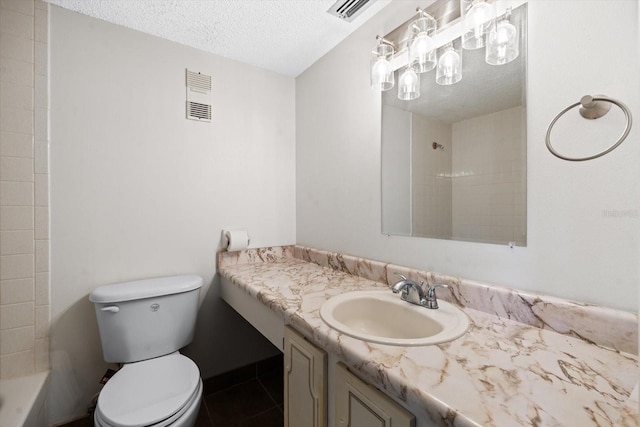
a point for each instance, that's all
(142, 325)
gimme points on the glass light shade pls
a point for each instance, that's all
(409, 84)
(449, 67)
(382, 76)
(421, 44)
(476, 23)
(502, 43)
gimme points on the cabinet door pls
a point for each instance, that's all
(305, 382)
(361, 405)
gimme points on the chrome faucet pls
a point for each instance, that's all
(404, 286)
(418, 297)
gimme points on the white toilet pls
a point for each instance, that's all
(143, 324)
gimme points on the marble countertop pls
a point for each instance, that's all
(500, 373)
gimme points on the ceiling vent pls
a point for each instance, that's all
(198, 96)
(348, 10)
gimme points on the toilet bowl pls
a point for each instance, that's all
(165, 391)
(142, 325)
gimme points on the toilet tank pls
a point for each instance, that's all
(148, 318)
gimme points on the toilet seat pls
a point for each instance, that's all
(152, 392)
(183, 418)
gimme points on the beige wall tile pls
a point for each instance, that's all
(16, 267)
(16, 96)
(41, 52)
(42, 256)
(41, 85)
(16, 193)
(18, 72)
(17, 291)
(41, 32)
(42, 321)
(16, 217)
(42, 190)
(17, 48)
(42, 223)
(42, 288)
(17, 364)
(40, 124)
(17, 24)
(17, 242)
(22, 6)
(16, 120)
(16, 340)
(16, 144)
(41, 157)
(42, 355)
(24, 116)
(16, 169)
(17, 316)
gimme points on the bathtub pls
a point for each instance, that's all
(23, 401)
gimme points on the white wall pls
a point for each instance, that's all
(575, 249)
(139, 191)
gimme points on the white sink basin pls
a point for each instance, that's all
(380, 316)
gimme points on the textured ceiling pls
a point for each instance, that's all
(285, 36)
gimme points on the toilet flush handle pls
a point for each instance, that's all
(111, 308)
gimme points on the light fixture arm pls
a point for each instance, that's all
(382, 40)
(506, 15)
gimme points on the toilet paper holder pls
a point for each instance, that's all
(235, 240)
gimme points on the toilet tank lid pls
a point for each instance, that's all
(146, 288)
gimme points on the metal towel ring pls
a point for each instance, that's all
(592, 108)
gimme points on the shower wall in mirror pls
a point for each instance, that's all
(454, 160)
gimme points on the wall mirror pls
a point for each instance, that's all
(454, 159)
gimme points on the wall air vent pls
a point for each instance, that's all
(348, 10)
(198, 96)
(197, 111)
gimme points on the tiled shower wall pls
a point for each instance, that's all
(489, 177)
(24, 188)
(431, 176)
(475, 188)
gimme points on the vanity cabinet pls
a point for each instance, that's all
(305, 382)
(358, 404)
(355, 403)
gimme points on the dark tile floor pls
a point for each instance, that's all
(248, 397)
(251, 396)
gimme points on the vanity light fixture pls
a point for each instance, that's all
(382, 73)
(437, 38)
(502, 41)
(422, 46)
(477, 19)
(449, 66)
(409, 84)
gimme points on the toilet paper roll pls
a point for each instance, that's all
(237, 240)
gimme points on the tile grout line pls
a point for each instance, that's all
(206, 409)
(267, 391)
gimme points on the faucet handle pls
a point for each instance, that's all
(431, 291)
(400, 276)
(432, 300)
